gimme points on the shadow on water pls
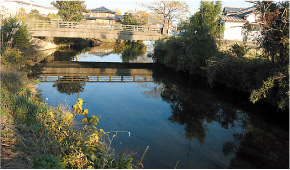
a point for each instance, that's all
(257, 144)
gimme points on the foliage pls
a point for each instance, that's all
(47, 162)
(239, 50)
(136, 18)
(142, 17)
(275, 89)
(53, 16)
(167, 10)
(53, 131)
(246, 30)
(275, 30)
(11, 57)
(206, 21)
(275, 42)
(118, 11)
(195, 52)
(70, 10)
(15, 33)
(129, 50)
(34, 13)
(190, 52)
(129, 19)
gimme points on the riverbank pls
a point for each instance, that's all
(35, 135)
(260, 78)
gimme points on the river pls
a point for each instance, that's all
(185, 123)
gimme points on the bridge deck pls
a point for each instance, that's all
(93, 30)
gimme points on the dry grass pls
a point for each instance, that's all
(11, 156)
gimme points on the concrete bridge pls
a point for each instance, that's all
(68, 72)
(52, 29)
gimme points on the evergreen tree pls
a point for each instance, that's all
(70, 10)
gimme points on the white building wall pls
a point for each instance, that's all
(233, 30)
(251, 18)
(11, 8)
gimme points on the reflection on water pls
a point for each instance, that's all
(184, 122)
(123, 51)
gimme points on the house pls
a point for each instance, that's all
(101, 15)
(10, 8)
(233, 21)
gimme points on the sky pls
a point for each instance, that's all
(125, 5)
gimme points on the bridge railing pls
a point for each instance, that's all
(96, 78)
(85, 25)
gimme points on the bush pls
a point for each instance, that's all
(11, 57)
(239, 50)
(15, 33)
(47, 162)
(243, 74)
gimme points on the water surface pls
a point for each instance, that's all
(185, 123)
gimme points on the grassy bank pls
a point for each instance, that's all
(35, 135)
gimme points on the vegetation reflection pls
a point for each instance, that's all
(69, 87)
(129, 50)
(197, 108)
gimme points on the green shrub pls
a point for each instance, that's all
(239, 50)
(47, 162)
(11, 57)
(15, 33)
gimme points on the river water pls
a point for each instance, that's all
(184, 122)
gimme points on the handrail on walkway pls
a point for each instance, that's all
(95, 26)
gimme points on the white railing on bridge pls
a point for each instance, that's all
(85, 25)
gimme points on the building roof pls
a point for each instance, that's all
(102, 18)
(232, 10)
(102, 10)
(238, 16)
(233, 18)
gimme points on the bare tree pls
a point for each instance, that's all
(164, 11)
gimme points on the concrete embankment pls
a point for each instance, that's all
(41, 45)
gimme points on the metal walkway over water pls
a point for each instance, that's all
(52, 29)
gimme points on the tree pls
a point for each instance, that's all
(118, 11)
(15, 33)
(275, 30)
(129, 19)
(142, 17)
(70, 10)
(205, 21)
(167, 10)
(34, 13)
(53, 16)
(275, 42)
(136, 18)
